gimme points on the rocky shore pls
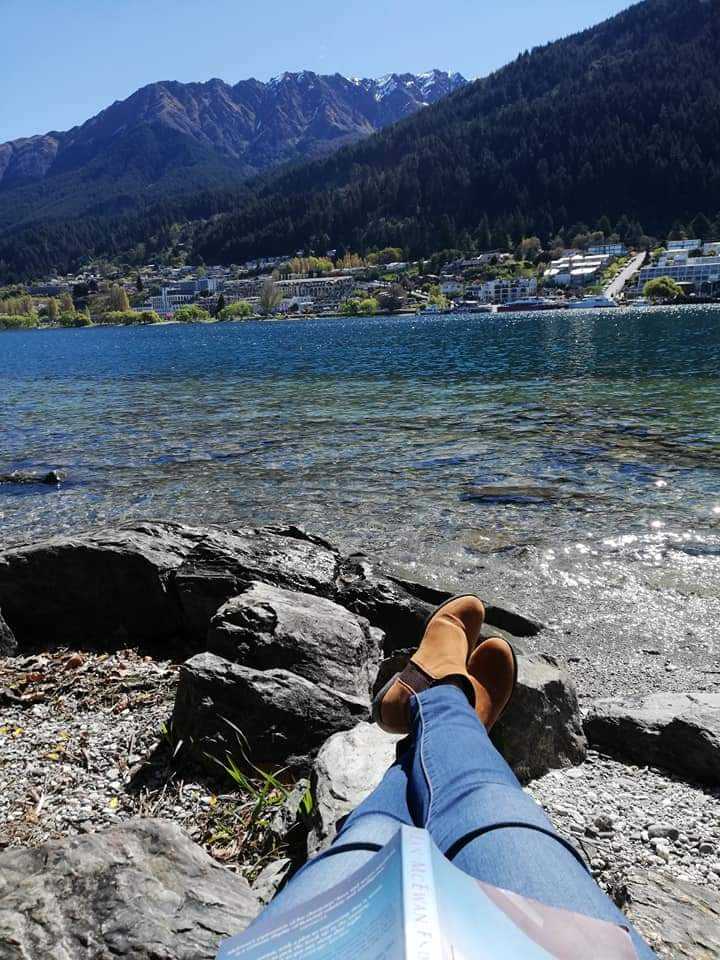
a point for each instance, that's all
(184, 716)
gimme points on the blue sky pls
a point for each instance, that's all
(64, 60)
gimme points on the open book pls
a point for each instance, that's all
(410, 903)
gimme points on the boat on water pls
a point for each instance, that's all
(592, 303)
(529, 304)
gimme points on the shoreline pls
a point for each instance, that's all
(401, 314)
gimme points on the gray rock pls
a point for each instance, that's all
(142, 891)
(268, 627)
(101, 589)
(604, 822)
(680, 920)
(52, 478)
(225, 562)
(660, 831)
(348, 767)
(283, 718)
(286, 817)
(270, 879)
(679, 732)
(541, 729)
(512, 623)
(8, 643)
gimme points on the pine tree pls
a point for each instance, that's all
(605, 226)
(702, 228)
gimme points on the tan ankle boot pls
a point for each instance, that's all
(451, 634)
(493, 669)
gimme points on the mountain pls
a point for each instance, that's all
(169, 138)
(621, 121)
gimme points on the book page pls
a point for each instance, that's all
(482, 922)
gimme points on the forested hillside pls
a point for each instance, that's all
(161, 150)
(622, 119)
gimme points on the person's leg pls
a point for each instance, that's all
(365, 831)
(462, 791)
(450, 636)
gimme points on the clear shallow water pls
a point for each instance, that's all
(558, 461)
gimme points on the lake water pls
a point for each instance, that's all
(564, 462)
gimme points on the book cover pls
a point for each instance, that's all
(410, 903)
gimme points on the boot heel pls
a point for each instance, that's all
(378, 699)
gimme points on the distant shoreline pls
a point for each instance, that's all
(643, 308)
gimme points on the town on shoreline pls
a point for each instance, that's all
(596, 272)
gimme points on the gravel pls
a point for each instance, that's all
(627, 818)
(85, 743)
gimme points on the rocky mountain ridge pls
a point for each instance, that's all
(295, 115)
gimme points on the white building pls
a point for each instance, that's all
(320, 289)
(502, 291)
(693, 271)
(576, 270)
(167, 303)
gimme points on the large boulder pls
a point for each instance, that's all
(680, 920)
(141, 891)
(8, 643)
(224, 709)
(150, 582)
(680, 732)
(157, 582)
(268, 627)
(348, 767)
(226, 562)
(541, 729)
(105, 588)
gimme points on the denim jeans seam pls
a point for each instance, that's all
(423, 765)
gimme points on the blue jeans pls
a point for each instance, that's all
(452, 781)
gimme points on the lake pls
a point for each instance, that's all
(564, 462)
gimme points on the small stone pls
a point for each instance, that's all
(604, 823)
(663, 831)
(706, 848)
